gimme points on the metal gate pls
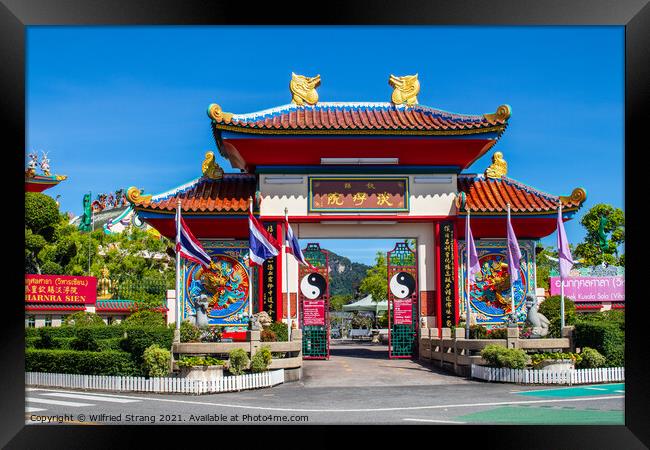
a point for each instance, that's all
(402, 301)
(314, 296)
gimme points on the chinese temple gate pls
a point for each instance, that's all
(343, 170)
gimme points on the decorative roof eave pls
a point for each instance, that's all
(376, 118)
(527, 200)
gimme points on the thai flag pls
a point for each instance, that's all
(293, 246)
(262, 244)
(187, 246)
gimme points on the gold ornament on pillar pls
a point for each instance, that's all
(104, 285)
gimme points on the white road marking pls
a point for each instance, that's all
(403, 408)
(90, 397)
(431, 420)
(596, 389)
(32, 409)
(618, 390)
(48, 401)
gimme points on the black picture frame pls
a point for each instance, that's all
(15, 15)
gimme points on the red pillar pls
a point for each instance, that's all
(436, 265)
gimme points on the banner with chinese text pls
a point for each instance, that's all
(60, 289)
(446, 274)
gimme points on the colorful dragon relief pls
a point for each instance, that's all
(490, 294)
(226, 284)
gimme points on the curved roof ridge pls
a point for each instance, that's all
(182, 188)
(531, 189)
(342, 105)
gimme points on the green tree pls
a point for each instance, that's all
(590, 250)
(375, 282)
(337, 301)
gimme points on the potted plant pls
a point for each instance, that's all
(204, 368)
(555, 361)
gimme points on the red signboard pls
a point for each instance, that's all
(358, 194)
(403, 311)
(60, 289)
(313, 312)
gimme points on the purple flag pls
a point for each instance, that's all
(563, 250)
(514, 254)
(473, 266)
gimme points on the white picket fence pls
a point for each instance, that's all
(526, 376)
(155, 384)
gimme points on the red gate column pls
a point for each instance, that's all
(438, 269)
(446, 273)
(270, 285)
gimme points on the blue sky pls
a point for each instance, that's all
(123, 106)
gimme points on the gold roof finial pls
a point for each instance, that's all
(578, 196)
(216, 113)
(134, 195)
(502, 113)
(303, 89)
(498, 168)
(406, 89)
(210, 167)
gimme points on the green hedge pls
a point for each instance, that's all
(65, 343)
(98, 332)
(85, 363)
(605, 337)
(138, 339)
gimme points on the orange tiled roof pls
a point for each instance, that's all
(486, 195)
(346, 118)
(228, 194)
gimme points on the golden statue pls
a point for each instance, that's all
(498, 168)
(104, 284)
(406, 89)
(303, 89)
(210, 167)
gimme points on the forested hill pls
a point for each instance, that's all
(345, 275)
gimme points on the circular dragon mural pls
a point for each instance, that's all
(226, 284)
(490, 293)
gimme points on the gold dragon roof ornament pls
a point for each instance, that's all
(134, 195)
(498, 168)
(502, 113)
(217, 114)
(578, 196)
(406, 89)
(303, 89)
(210, 168)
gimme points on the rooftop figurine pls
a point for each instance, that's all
(303, 89)
(406, 89)
(498, 168)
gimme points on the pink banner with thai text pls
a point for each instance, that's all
(591, 289)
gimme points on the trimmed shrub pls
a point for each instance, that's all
(261, 360)
(145, 318)
(237, 361)
(45, 339)
(606, 338)
(550, 308)
(280, 330)
(591, 358)
(538, 358)
(477, 332)
(268, 336)
(138, 339)
(84, 341)
(98, 332)
(497, 356)
(83, 319)
(80, 362)
(190, 332)
(155, 361)
(190, 361)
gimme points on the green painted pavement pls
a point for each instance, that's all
(544, 416)
(579, 391)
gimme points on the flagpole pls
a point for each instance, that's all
(178, 266)
(250, 285)
(467, 303)
(286, 273)
(561, 278)
(512, 285)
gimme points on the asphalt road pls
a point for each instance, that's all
(358, 385)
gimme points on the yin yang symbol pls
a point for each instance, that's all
(402, 285)
(313, 286)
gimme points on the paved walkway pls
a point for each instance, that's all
(359, 364)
